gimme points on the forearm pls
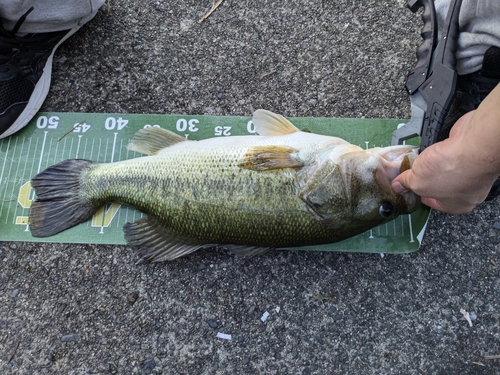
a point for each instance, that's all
(480, 139)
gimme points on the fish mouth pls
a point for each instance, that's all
(395, 160)
(412, 201)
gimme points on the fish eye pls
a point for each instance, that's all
(386, 210)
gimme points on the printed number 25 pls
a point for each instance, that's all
(222, 130)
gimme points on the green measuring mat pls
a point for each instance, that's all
(52, 137)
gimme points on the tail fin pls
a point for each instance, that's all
(59, 205)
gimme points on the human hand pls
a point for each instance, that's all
(454, 175)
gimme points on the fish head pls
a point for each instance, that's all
(353, 189)
(372, 176)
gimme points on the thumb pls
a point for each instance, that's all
(401, 184)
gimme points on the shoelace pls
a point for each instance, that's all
(14, 48)
(9, 42)
(12, 33)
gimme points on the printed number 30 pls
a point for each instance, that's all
(182, 125)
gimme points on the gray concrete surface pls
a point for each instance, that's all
(70, 309)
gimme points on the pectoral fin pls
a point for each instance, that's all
(264, 158)
(151, 140)
(156, 243)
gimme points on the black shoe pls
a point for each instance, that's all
(471, 91)
(25, 73)
(473, 88)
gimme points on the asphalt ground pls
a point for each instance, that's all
(90, 309)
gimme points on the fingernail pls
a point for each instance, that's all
(398, 188)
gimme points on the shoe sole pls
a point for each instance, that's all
(41, 88)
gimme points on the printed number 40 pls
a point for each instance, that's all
(115, 123)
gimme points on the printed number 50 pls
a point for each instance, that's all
(43, 122)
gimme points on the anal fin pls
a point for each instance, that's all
(244, 251)
(156, 243)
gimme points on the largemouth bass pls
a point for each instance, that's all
(282, 188)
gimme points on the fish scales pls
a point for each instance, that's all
(197, 189)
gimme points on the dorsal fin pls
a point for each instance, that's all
(268, 123)
(151, 140)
